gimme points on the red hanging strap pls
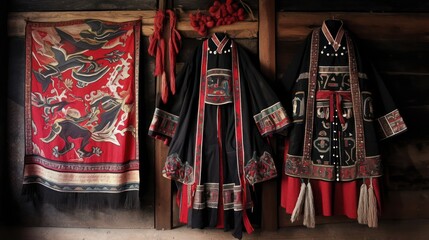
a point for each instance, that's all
(156, 43)
(157, 49)
(174, 47)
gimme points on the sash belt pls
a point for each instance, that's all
(335, 98)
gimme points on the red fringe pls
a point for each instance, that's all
(157, 44)
(174, 47)
(157, 49)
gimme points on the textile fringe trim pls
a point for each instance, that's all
(306, 200)
(39, 195)
(372, 208)
(363, 205)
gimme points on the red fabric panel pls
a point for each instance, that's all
(330, 198)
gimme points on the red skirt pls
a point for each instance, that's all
(330, 198)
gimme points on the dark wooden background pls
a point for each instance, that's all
(395, 33)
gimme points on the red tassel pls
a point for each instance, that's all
(159, 60)
(174, 47)
(157, 44)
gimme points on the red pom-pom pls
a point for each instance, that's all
(216, 3)
(240, 11)
(210, 24)
(229, 9)
(223, 12)
(194, 24)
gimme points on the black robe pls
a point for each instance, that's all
(215, 126)
(340, 109)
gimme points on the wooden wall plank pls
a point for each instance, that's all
(354, 6)
(80, 5)
(381, 26)
(267, 58)
(204, 5)
(17, 20)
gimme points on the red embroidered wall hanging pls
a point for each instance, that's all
(81, 107)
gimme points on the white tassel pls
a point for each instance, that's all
(298, 206)
(309, 215)
(362, 212)
(372, 208)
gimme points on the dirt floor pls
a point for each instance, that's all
(388, 229)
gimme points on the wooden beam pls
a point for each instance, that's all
(17, 20)
(163, 190)
(382, 26)
(267, 58)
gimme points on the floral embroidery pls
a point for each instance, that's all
(260, 170)
(175, 169)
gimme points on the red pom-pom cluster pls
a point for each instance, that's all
(219, 14)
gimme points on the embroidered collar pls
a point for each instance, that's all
(219, 44)
(336, 43)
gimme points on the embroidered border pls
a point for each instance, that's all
(199, 201)
(219, 44)
(391, 124)
(259, 170)
(163, 123)
(357, 101)
(177, 170)
(297, 167)
(207, 196)
(309, 110)
(200, 118)
(228, 196)
(83, 167)
(271, 119)
(106, 182)
(238, 116)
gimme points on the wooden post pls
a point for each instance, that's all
(163, 198)
(267, 58)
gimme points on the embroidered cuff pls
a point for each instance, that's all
(259, 170)
(391, 124)
(163, 124)
(177, 170)
(271, 119)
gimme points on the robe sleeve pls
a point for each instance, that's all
(268, 113)
(297, 68)
(378, 104)
(389, 120)
(167, 115)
